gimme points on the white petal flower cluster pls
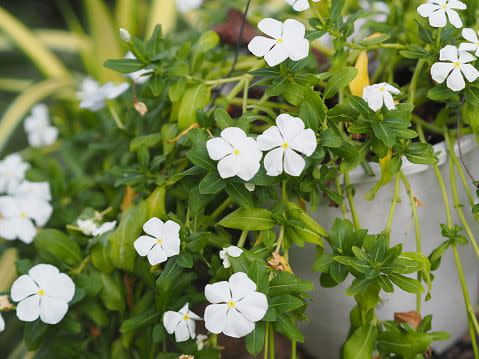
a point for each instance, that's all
(439, 11)
(141, 76)
(286, 41)
(238, 154)
(473, 44)
(286, 142)
(454, 65)
(188, 5)
(236, 306)
(162, 242)
(93, 97)
(90, 227)
(300, 5)
(379, 95)
(44, 292)
(24, 205)
(227, 253)
(38, 128)
(182, 323)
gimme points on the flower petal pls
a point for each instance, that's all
(171, 320)
(448, 53)
(233, 251)
(276, 55)
(470, 35)
(228, 166)
(248, 166)
(62, 288)
(293, 163)
(271, 27)
(470, 72)
(218, 148)
(466, 57)
(171, 230)
(181, 332)
(467, 46)
(52, 310)
(2, 324)
(426, 10)
(389, 101)
(23, 287)
(441, 70)
(455, 81)
(273, 162)
(269, 139)
(218, 292)
(289, 126)
(237, 325)
(28, 310)
(233, 135)
(438, 19)
(157, 255)
(304, 142)
(260, 45)
(171, 245)
(293, 30)
(241, 286)
(253, 306)
(215, 317)
(144, 244)
(44, 275)
(191, 328)
(301, 5)
(297, 49)
(154, 227)
(454, 18)
(456, 4)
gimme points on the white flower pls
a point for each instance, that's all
(287, 41)
(436, 11)
(201, 341)
(140, 76)
(283, 142)
(187, 5)
(37, 126)
(12, 172)
(380, 94)
(226, 253)
(2, 324)
(93, 96)
(44, 292)
(19, 217)
(181, 323)
(455, 69)
(473, 44)
(236, 306)
(300, 5)
(377, 11)
(163, 240)
(104, 228)
(238, 155)
(125, 35)
(86, 226)
(38, 190)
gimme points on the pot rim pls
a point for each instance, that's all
(468, 143)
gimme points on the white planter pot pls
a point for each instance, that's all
(329, 310)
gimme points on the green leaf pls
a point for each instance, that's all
(359, 285)
(112, 293)
(139, 321)
(146, 141)
(239, 194)
(198, 155)
(249, 219)
(212, 184)
(285, 283)
(223, 118)
(255, 339)
(441, 93)
(193, 99)
(53, 243)
(360, 344)
(408, 345)
(339, 80)
(33, 334)
(407, 284)
(286, 303)
(384, 133)
(185, 260)
(421, 153)
(286, 326)
(471, 94)
(124, 66)
(328, 138)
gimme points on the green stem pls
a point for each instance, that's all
(242, 239)
(340, 192)
(260, 102)
(266, 341)
(473, 339)
(224, 81)
(221, 208)
(392, 209)
(115, 116)
(352, 206)
(271, 342)
(280, 239)
(293, 349)
(245, 96)
(414, 79)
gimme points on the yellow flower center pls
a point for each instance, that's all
(236, 152)
(186, 317)
(41, 292)
(444, 6)
(456, 64)
(159, 241)
(23, 215)
(279, 41)
(231, 304)
(285, 145)
(382, 89)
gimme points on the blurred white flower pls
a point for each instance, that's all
(181, 323)
(473, 44)
(250, 186)
(38, 128)
(236, 307)
(44, 292)
(226, 253)
(163, 240)
(140, 76)
(376, 11)
(104, 228)
(283, 142)
(201, 341)
(187, 5)
(86, 226)
(286, 41)
(436, 11)
(300, 5)
(2, 324)
(12, 172)
(455, 68)
(125, 35)
(38, 190)
(93, 97)
(378, 95)
(238, 155)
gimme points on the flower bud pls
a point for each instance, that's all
(125, 35)
(140, 107)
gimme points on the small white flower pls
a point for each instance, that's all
(473, 44)
(163, 240)
(86, 226)
(287, 40)
(380, 94)
(44, 292)
(455, 69)
(2, 324)
(226, 253)
(300, 5)
(12, 172)
(38, 190)
(181, 323)
(236, 307)
(250, 186)
(140, 76)
(376, 11)
(19, 217)
(436, 11)
(283, 142)
(93, 96)
(104, 228)
(201, 341)
(37, 126)
(125, 35)
(187, 5)
(238, 155)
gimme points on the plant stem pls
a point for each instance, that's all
(221, 208)
(245, 96)
(473, 339)
(340, 191)
(271, 342)
(392, 209)
(224, 81)
(266, 341)
(280, 239)
(115, 116)
(352, 206)
(293, 349)
(413, 83)
(242, 239)
(269, 104)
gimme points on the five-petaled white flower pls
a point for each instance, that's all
(238, 154)
(12, 172)
(236, 307)
(163, 240)
(86, 226)
(44, 292)
(455, 69)
(104, 228)
(473, 44)
(93, 96)
(226, 253)
(300, 5)
(380, 94)
(287, 41)
(38, 128)
(187, 5)
(37, 190)
(19, 217)
(181, 323)
(436, 11)
(140, 76)
(283, 142)
(2, 324)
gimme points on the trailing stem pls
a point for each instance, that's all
(352, 206)
(394, 202)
